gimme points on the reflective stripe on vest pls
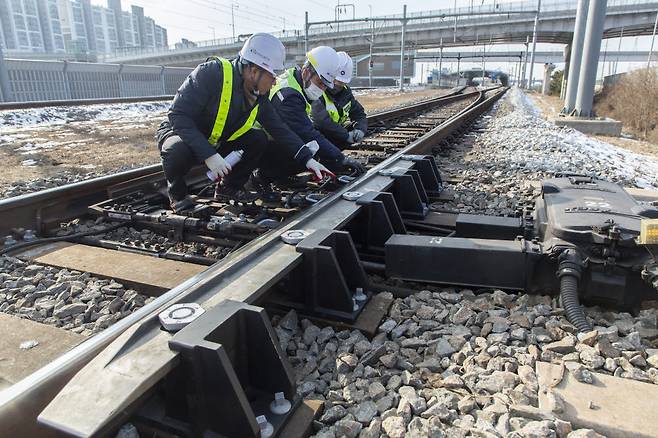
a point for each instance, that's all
(287, 80)
(225, 104)
(333, 112)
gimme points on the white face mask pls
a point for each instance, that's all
(312, 91)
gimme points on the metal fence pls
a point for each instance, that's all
(59, 80)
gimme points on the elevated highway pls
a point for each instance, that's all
(461, 27)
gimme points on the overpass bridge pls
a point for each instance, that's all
(541, 56)
(455, 27)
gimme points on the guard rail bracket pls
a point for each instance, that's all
(232, 366)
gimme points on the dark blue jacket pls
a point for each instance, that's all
(332, 130)
(291, 106)
(193, 111)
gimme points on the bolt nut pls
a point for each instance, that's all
(293, 237)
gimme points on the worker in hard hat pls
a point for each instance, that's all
(292, 96)
(338, 115)
(214, 114)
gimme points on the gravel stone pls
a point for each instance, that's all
(348, 428)
(585, 433)
(365, 412)
(394, 427)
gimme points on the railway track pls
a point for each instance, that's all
(256, 265)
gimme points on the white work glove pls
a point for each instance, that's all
(313, 146)
(218, 166)
(318, 170)
(357, 135)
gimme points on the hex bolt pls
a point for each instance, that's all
(355, 307)
(266, 428)
(360, 296)
(29, 235)
(280, 405)
(9, 240)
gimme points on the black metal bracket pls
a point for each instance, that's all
(409, 193)
(232, 365)
(428, 172)
(332, 274)
(378, 219)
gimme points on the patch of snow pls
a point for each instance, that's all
(31, 117)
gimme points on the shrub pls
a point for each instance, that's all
(634, 102)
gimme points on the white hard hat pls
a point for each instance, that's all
(325, 62)
(345, 66)
(265, 51)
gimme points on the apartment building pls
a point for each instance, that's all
(74, 27)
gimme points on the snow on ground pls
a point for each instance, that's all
(29, 118)
(522, 139)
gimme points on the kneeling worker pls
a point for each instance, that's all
(338, 115)
(213, 114)
(292, 96)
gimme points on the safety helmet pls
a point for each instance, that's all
(344, 73)
(265, 51)
(325, 62)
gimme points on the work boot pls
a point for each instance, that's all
(182, 204)
(226, 193)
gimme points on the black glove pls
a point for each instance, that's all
(351, 163)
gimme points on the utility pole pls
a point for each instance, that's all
(483, 64)
(534, 43)
(605, 52)
(233, 6)
(440, 61)
(653, 38)
(454, 31)
(404, 29)
(372, 42)
(621, 36)
(525, 63)
(459, 58)
(305, 33)
(575, 59)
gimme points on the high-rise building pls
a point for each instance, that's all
(76, 27)
(30, 26)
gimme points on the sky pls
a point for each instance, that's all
(199, 20)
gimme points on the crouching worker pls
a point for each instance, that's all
(338, 115)
(292, 96)
(213, 114)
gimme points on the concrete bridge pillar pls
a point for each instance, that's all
(591, 51)
(576, 57)
(5, 85)
(546, 85)
(567, 63)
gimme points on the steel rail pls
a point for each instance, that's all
(21, 403)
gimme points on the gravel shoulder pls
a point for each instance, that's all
(48, 147)
(550, 107)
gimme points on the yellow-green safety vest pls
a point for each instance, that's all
(334, 114)
(224, 105)
(287, 80)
